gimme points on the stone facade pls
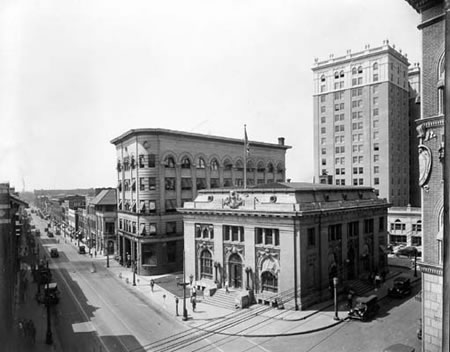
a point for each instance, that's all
(405, 226)
(159, 170)
(286, 238)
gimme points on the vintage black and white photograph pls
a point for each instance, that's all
(224, 176)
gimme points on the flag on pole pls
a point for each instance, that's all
(246, 142)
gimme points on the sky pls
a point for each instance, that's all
(75, 74)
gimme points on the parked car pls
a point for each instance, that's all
(54, 253)
(419, 328)
(82, 250)
(366, 308)
(50, 234)
(409, 252)
(401, 287)
(50, 293)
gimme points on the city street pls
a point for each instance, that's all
(100, 312)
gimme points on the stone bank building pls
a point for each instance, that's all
(159, 170)
(284, 238)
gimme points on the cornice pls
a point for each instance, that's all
(431, 269)
(432, 121)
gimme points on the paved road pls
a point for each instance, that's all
(99, 312)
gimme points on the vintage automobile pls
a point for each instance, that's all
(50, 294)
(401, 288)
(365, 308)
(50, 234)
(82, 250)
(54, 253)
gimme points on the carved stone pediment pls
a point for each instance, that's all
(233, 201)
(231, 249)
(205, 245)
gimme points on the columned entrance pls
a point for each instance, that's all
(235, 271)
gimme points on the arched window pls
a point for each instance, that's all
(169, 162)
(341, 74)
(239, 166)
(185, 163)
(336, 75)
(354, 71)
(322, 78)
(201, 163)
(250, 166)
(261, 167)
(360, 69)
(270, 167)
(269, 282)
(280, 169)
(206, 264)
(228, 165)
(375, 66)
(214, 165)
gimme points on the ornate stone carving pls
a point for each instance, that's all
(424, 164)
(205, 245)
(234, 201)
(234, 249)
(442, 152)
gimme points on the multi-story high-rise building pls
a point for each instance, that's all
(158, 170)
(433, 179)
(361, 122)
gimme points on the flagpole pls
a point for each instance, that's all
(245, 156)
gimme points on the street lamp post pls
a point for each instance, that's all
(48, 336)
(415, 262)
(335, 283)
(107, 257)
(134, 273)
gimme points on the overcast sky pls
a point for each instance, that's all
(76, 73)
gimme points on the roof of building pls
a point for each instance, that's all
(285, 198)
(421, 5)
(18, 201)
(105, 197)
(161, 131)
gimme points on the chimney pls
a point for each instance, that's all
(281, 140)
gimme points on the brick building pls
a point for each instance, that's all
(430, 143)
(159, 170)
(285, 238)
(361, 121)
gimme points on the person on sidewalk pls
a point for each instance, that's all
(194, 303)
(226, 287)
(350, 300)
(377, 281)
(152, 284)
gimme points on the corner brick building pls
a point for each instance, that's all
(431, 166)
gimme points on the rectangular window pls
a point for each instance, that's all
(376, 169)
(171, 227)
(216, 184)
(375, 77)
(353, 229)
(375, 134)
(375, 100)
(361, 170)
(141, 184)
(335, 232)
(186, 183)
(323, 98)
(376, 181)
(170, 183)
(311, 237)
(361, 181)
(324, 161)
(201, 183)
(376, 147)
(322, 108)
(152, 183)
(141, 160)
(323, 130)
(151, 160)
(375, 112)
(376, 158)
(171, 205)
(323, 141)
(258, 235)
(368, 226)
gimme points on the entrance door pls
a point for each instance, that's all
(235, 267)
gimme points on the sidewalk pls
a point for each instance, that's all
(28, 309)
(256, 321)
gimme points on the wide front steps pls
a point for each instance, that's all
(222, 299)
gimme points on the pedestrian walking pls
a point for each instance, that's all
(194, 303)
(194, 292)
(226, 287)
(152, 284)
(176, 304)
(32, 332)
(350, 299)
(377, 281)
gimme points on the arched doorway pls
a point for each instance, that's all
(235, 271)
(269, 282)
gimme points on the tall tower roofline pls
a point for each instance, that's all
(361, 55)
